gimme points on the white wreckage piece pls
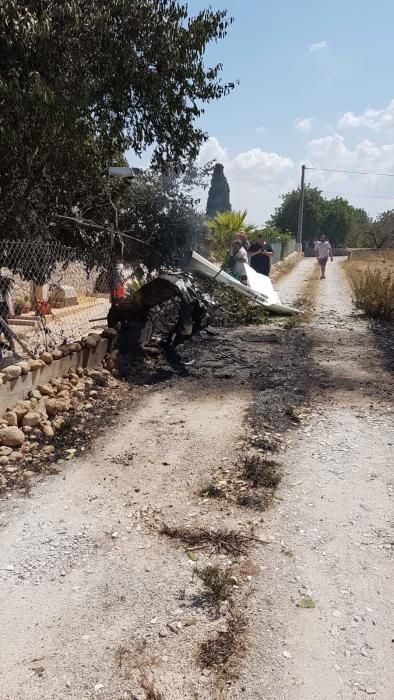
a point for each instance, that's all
(259, 288)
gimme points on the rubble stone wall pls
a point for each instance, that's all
(16, 384)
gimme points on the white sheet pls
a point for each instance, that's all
(260, 290)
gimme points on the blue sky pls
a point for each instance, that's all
(327, 65)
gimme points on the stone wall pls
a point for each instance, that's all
(74, 275)
(17, 381)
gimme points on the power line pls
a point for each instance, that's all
(353, 194)
(348, 172)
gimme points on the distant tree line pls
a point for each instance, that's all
(342, 223)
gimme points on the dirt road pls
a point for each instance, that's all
(334, 525)
(94, 601)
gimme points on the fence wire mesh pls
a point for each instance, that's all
(49, 295)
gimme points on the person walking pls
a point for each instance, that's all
(323, 251)
(260, 254)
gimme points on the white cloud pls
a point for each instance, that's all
(372, 192)
(257, 178)
(212, 150)
(375, 119)
(304, 124)
(318, 45)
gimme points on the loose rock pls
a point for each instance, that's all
(35, 394)
(48, 430)
(74, 347)
(11, 418)
(16, 457)
(5, 451)
(36, 364)
(32, 420)
(58, 423)
(11, 437)
(92, 341)
(12, 372)
(46, 390)
(47, 358)
(55, 406)
(109, 333)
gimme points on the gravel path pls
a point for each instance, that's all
(289, 286)
(91, 596)
(334, 527)
(83, 577)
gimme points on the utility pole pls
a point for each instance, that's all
(301, 210)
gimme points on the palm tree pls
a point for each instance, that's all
(224, 228)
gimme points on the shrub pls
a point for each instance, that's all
(227, 308)
(374, 293)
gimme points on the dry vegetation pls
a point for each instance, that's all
(262, 472)
(372, 281)
(218, 582)
(221, 541)
(226, 645)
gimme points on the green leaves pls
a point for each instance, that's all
(332, 217)
(224, 227)
(82, 81)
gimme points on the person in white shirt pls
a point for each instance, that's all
(240, 258)
(323, 251)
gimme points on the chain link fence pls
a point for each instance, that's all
(49, 295)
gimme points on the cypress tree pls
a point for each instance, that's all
(219, 193)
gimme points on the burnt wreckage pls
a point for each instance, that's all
(168, 305)
(170, 309)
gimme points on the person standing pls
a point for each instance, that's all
(235, 261)
(260, 254)
(241, 236)
(323, 251)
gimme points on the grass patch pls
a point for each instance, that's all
(222, 541)
(371, 277)
(226, 645)
(262, 472)
(218, 582)
(373, 292)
